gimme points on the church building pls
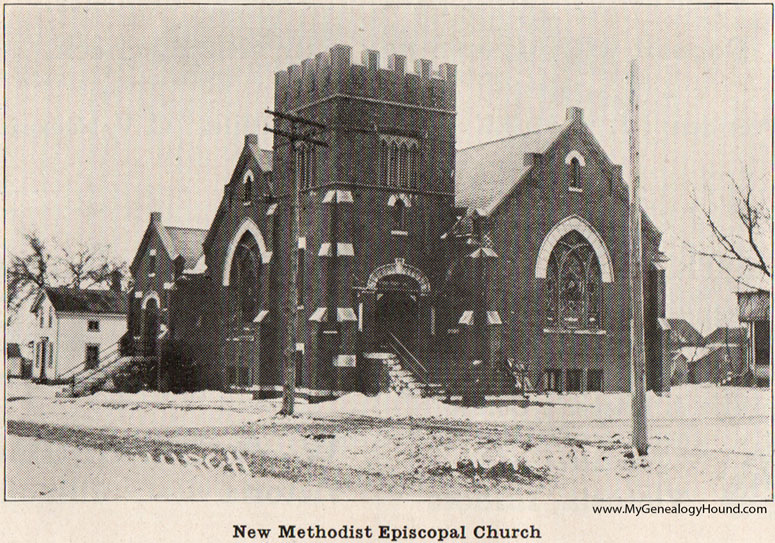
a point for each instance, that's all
(420, 266)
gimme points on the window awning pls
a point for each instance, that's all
(344, 314)
(493, 317)
(319, 315)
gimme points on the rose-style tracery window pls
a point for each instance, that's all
(573, 293)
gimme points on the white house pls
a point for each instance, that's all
(76, 328)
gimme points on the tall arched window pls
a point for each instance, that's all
(301, 167)
(309, 171)
(399, 209)
(403, 166)
(248, 193)
(245, 277)
(393, 165)
(413, 156)
(573, 284)
(575, 173)
(384, 163)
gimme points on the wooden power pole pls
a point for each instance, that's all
(637, 343)
(301, 131)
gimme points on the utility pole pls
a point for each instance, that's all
(301, 131)
(637, 342)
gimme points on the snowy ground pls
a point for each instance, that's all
(707, 442)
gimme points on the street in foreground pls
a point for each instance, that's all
(707, 442)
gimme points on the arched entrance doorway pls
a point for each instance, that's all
(397, 311)
(150, 327)
(242, 342)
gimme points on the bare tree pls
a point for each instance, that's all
(87, 266)
(41, 266)
(28, 272)
(740, 249)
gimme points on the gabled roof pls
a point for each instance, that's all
(263, 157)
(188, 244)
(177, 241)
(723, 335)
(12, 350)
(683, 333)
(73, 300)
(486, 173)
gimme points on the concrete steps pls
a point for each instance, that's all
(90, 381)
(402, 381)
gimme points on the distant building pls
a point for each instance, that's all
(684, 340)
(75, 327)
(714, 363)
(16, 364)
(683, 334)
(726, 336)
(754, 312)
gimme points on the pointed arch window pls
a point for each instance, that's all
(575, 173)
(384, 163)
(245, 279)
(399, 215)
(393, 165)
(248, 183)
(573, 285)
(398, 161)
(413, 166)
(403, 166)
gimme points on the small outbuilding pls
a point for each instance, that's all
(16, 364)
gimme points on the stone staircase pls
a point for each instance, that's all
(403, 381)
(89, 381)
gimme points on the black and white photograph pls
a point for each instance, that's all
(389, 253)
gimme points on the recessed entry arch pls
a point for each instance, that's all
(399, 268)
(150, 296)
(568, 224)
(248, 225)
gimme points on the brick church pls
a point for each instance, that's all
(504, 264)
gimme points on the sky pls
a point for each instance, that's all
(116, 111)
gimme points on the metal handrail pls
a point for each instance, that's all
(82, 365)
(406, 356)
(97, 370)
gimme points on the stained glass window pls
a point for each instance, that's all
(573, 292)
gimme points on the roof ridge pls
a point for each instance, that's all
(187, 228)
(511, 137)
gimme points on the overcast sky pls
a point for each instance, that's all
(114, 112)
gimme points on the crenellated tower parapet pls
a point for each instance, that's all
(334, 72)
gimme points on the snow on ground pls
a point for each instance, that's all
(22, 388)
(685, 402)
(41, 470)
(706, 441)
